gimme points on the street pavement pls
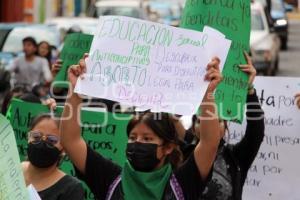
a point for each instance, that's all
(289, 64)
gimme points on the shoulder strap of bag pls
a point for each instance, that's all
(176, 188)
(113, 187)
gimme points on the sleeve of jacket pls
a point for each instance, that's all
(246, 150)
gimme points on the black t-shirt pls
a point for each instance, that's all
(233, 161)
(66, 188)
(220, 186)
(100, 173)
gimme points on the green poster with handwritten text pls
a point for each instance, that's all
(232, 18)
(12, 184)
(103, 131)
(75, 46)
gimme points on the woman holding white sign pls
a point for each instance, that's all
(153, 169)
(233, 161)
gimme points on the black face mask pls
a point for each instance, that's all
(43, 154)
(142, 156)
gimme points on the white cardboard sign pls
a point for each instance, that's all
(150, 65)
(275, 173)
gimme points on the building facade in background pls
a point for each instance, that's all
(39, 10)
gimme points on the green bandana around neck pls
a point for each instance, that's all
(145, 185)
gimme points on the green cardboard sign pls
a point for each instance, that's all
(103, 131)
(20, 115)
(12, 184)
(75, 46)
(232, 18)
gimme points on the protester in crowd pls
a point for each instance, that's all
(30, 69)
(233, 161)
(152, 169)
(58, 93)
(56, 67)
(179, 127)
(41, 91)
(22, 94)
(44, 155)
(45, 50)
(298, 100)
(14, 93)
(30, 97)
(190, 140)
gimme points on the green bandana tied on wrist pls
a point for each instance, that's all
(145, 185)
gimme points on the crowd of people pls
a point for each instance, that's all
(163, 160)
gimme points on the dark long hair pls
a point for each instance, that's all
(162, 124)
(8, 97)
(40, 118)
(49, 55)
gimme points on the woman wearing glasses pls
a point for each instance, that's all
(44, 154)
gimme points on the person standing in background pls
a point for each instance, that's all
(44, 51)
(30, 69)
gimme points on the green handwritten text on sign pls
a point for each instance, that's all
(75, 46)
(21, 115)
(12, 184)
(232, 18)
(102, 131)
(150, 66)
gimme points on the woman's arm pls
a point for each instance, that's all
(56, 67)
(70, 131)
(207, 147)
(245, 151)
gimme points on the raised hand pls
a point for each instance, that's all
(56, 67)
(51, 103)
(213, 74)
(249, 69)
(76, 71)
